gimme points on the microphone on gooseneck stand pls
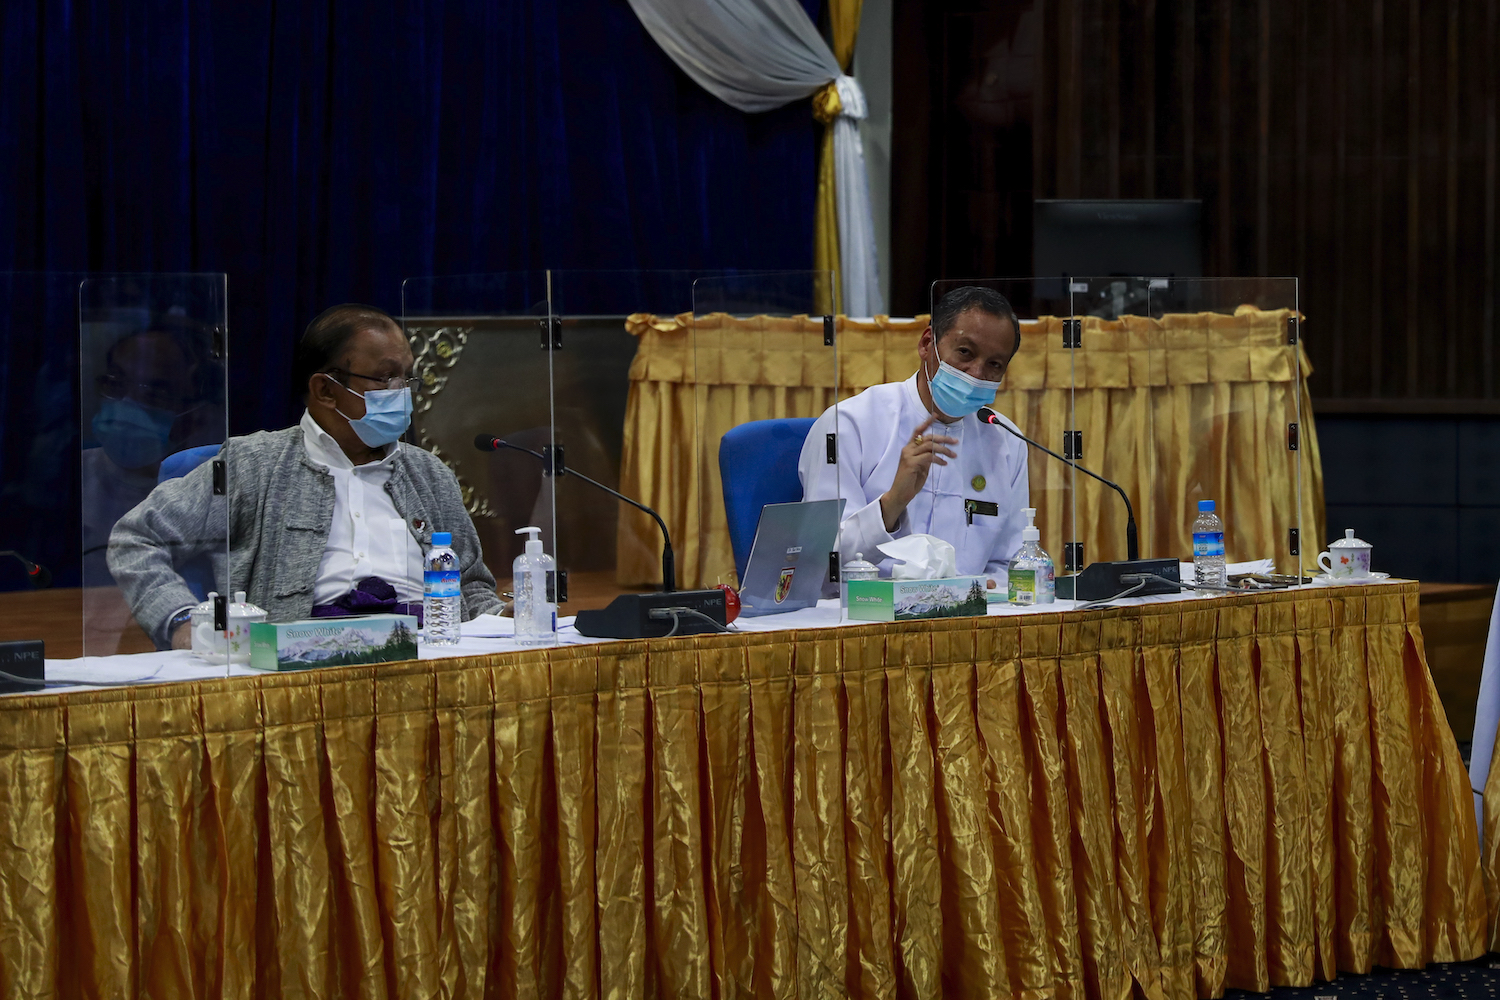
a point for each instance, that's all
(553, 467)
(1099, 581)
(635, 616)
(1132, 545)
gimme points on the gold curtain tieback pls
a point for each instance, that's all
(826, 103)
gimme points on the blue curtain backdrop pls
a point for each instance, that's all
(320, 152)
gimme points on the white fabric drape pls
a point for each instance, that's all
(858, 264)
(756, 55)
(1486, 717)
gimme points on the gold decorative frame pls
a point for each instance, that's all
(436, 350)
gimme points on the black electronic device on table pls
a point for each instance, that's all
(653, 616)
(1102, 580)
(25, 660)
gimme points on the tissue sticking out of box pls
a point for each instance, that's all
(921, 557)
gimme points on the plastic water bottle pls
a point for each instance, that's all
(1208, 548)
(535, 609)
(442, 600)
(1031, 578)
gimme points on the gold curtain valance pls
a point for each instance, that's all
(1170, 799)
(1134, 352)
(1176, 408)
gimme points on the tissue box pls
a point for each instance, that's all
(332, 642)
(908, 600)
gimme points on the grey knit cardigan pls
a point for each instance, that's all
(277, 516)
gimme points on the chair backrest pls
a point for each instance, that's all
(179, 464)
(758, 465)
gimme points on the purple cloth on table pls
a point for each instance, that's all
(371, 596)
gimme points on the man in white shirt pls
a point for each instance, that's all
(913, 457)
(328, 517)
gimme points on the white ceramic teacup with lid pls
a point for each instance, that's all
(855, 569)
(233, 642)
(1346, 559)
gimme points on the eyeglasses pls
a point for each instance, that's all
(388, 381)
(150, 394)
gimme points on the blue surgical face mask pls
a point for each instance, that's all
(132, 435)
(958, 394)
(387, 415)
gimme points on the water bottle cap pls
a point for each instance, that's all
(1205, 505)
(442, 538)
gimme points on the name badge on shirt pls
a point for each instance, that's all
(972, 507)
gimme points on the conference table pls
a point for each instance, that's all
(1175, 794)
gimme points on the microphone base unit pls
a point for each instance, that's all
(1101, 580)
(25, 658)
(629, 615)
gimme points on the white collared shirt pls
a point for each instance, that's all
(873, 427)
(368, 536)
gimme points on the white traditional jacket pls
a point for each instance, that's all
(872, 428)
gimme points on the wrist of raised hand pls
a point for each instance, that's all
(891, 509)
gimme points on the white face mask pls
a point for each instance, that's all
(387, 415)
(956, 393)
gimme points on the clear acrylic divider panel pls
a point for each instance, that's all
(619, 419)
(1226, 406)
(152, 419)
(41, 570)
(482, 345)
(760, 347)
(994, 469)
(1113, 414)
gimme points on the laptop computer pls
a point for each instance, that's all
(788, 564)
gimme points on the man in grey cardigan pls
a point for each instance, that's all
(331, 516)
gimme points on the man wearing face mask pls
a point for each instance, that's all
(329, 517)
(911, 454)
(153, 400)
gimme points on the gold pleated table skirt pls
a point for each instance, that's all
(1181, 797)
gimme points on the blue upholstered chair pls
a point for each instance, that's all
(179, 464)
(758, 465)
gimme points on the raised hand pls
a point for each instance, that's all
(917, 458)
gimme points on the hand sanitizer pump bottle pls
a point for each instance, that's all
(535, 609)
(1032, 578)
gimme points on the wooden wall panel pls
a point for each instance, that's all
(1352, 143)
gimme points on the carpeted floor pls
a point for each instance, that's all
(1479, 980)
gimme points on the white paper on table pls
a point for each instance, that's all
(488, 627)
(1232, 569)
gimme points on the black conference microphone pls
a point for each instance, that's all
(1132, 545)
(636, 616)
(486, 442)
(39, 576)
(1101, 581)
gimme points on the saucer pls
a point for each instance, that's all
(1324, 580)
